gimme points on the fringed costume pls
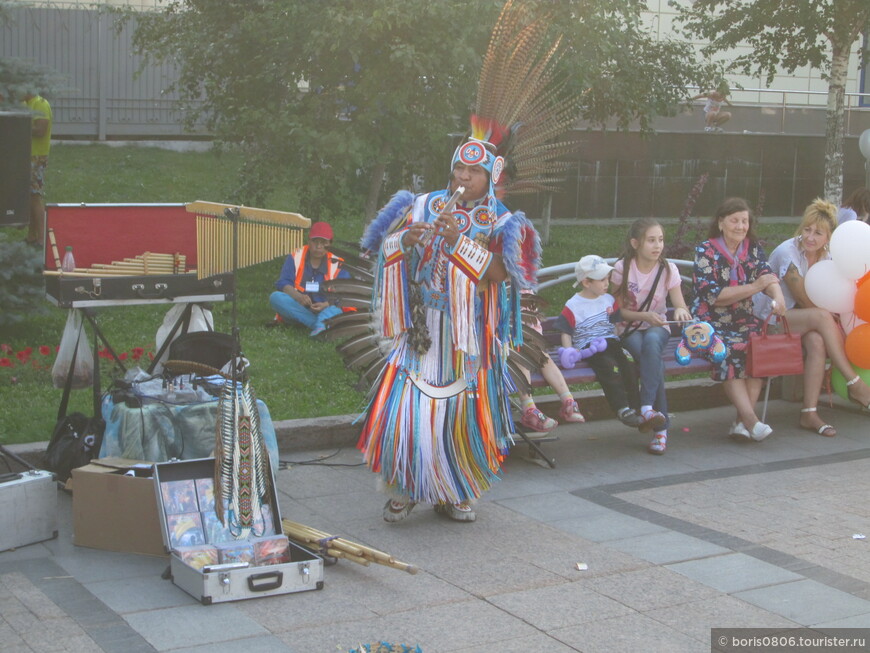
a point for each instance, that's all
(439, 423)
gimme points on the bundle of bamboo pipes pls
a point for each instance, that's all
(143, 264)
(338, 547)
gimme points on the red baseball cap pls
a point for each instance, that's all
(321, 230)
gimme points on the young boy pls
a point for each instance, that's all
(590, 316)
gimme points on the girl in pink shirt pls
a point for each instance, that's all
(643, 294)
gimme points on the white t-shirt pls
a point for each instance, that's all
(640, 283)
(589, 318)
(786, 254)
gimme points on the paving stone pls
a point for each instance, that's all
(650, 588)
(662, 548)
(806, 602)
(634, 632)
(560, 606)
(193, 625)
(607, 526)
(733, 572)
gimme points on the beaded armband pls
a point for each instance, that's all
(393, 248)
(471, 258)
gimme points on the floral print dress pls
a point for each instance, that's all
(733, 323)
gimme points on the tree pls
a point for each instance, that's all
(335, 97)
(788, 34)
(19, 76)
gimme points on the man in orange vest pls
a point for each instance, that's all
(298, 297)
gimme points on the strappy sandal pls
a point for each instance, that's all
(849, 384)
(825, 430)
(652, 420)
(659, 444)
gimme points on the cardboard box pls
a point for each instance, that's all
(114, 511)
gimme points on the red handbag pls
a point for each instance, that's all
(774, 354)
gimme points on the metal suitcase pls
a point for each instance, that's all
(28, 508)
(218, 583)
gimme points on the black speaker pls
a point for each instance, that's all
(14, 168)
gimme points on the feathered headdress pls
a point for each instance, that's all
(522, 109)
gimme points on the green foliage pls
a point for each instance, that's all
(344, 102)
(21, 288)
(788, 35)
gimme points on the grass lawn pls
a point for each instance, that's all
(295, 376)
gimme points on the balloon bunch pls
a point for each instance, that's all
(842, 285)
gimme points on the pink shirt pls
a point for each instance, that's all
(639, 284)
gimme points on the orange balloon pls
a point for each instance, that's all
(862, 302)
(858, 346)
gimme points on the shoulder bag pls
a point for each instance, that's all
(774, 354)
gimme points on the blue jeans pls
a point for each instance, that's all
(292, 311)
(647, 347)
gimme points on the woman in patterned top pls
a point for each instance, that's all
(730, 267)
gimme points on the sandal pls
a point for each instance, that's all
(825, 430)
(849, 384)
(652, 421)
(659, 444)
(456, 512)
(570, 411)
(396, 510)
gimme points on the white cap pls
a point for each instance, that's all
(591, 266)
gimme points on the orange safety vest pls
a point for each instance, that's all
(333, 267)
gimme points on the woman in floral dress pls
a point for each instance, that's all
(730, 267)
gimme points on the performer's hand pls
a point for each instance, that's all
(447, 228)
(415, 234)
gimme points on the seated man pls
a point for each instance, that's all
(298, 297)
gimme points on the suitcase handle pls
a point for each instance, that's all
(276, 582)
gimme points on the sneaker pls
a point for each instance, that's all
(708, 129)
(396, 510)
(739, 430)
(457, 511)
(659, 444)
(629, 417)
(535, 420)
(653, 420)
(570, 411)
(760, 431)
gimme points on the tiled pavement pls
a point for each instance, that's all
(716, 533)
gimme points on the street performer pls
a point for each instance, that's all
(447, 295)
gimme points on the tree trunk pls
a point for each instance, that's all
(835, 124)
(377, 182)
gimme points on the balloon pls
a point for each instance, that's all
(864, 143)
(849, 321)
(862, 302)
(838, 382)
(858, 346)
(850, 249)
(829, 289)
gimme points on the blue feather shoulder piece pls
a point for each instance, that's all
(383, 224)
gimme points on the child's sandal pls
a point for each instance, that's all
(659, 444)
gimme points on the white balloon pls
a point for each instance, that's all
(850, 321)
(850, 249)
(829, 289)
(864, 143)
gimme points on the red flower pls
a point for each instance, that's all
(122, 357)
(137, 353)
(23, 355)
(28, 351)
(5, 362)
(6, 349)
(45, 350)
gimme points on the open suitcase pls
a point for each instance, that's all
(210, 565)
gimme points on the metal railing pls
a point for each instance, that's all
(853, 102)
